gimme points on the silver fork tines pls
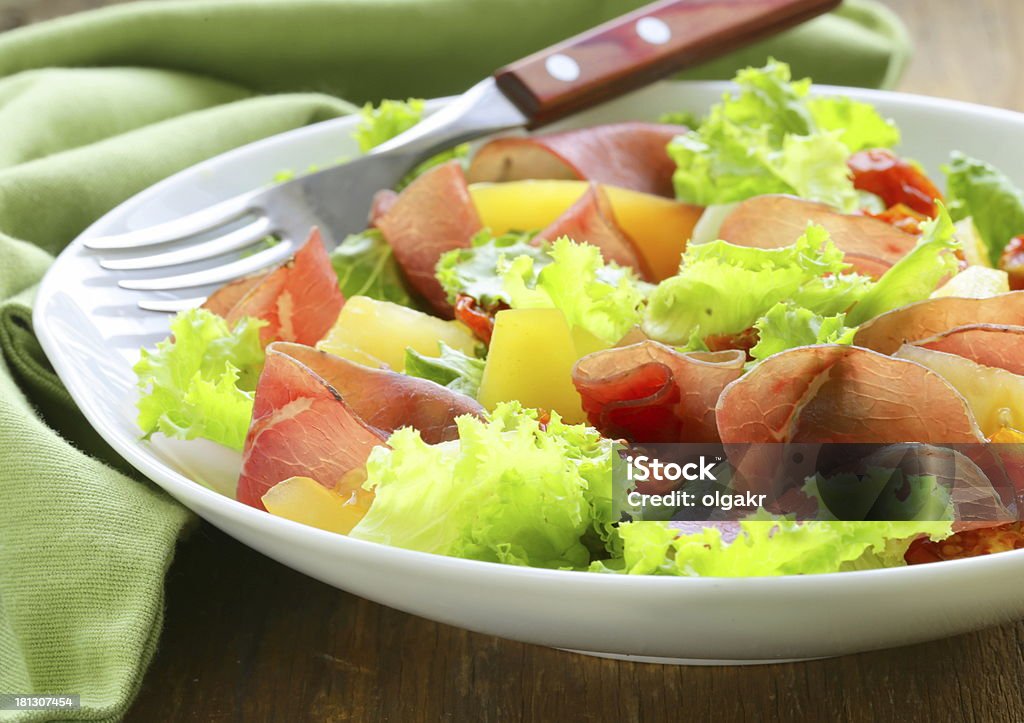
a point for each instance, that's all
(233, 241)
(335, 199)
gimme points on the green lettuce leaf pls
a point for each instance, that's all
(915, 276)
(989, 197)
(771, 138)
(724, 289)
(476, 271)
(366, 266)
(603, 299)
(509, 490)
(768, 548)
(199, 382)
(392, 118)
(787, 325)
(859, 125)
(453, 369)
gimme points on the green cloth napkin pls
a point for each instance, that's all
(98, 106)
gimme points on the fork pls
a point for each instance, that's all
(619, 56)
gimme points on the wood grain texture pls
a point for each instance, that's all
(615, 58)
(246, 638)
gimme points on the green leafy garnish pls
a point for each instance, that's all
(915, 276)
(723, 289)
(770, 137)
(787, 325)
(199, 382)
(392, 118)
(476, 271)
(603, 299)
(509, 490)
(366, 266)
(768, 548)
(995, 205)
(453, 369)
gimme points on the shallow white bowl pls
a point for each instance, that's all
(92, 330)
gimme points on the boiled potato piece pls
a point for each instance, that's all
(303, 499)
(975, 282)
(376, 333)
(995, 395)
(660, 227)
(530, 360)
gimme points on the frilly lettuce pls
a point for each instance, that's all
(476, 271)
(767, 548)
(989, 197)
(724, 289)
(392, 118)
(915, 276)
(771, 138)
(787, 325)
(199, 382)
(603, 299)
(509, 490)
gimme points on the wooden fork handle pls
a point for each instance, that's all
(633, 50)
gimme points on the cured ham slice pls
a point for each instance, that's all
(871, 246)
(835, 393)
(299, 300)
(886, 333)
(432, 215)
(318, 415)
(592, 220)
(224, 299)
(648, 392)
(992, 345)
(628, 155)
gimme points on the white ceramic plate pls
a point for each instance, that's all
(92, 330)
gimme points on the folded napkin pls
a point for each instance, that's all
(98, 106)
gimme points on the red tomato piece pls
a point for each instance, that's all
(895, 180)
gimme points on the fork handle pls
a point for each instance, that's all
(635, 49)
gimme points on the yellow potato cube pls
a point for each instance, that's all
(303, 499)
(660, 227)
(531, 358)
(376, 333)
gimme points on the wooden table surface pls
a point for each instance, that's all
(246, 638)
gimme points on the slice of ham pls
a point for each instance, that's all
(224, 299)
(886, 333)
(871, 246)
(993, 345)
(317, 415)
(592, 220)
(629, 155)
(648, 392)
(836, 393)
(299, 299)
(434, 214)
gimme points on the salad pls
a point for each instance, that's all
(455, 378)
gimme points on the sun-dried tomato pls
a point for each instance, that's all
(967, 543)
(744, 341)
(1012, 262)
(902, 217)
(895, 180)
(479, 320)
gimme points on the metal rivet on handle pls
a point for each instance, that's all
(654, 31)
(562, 67)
